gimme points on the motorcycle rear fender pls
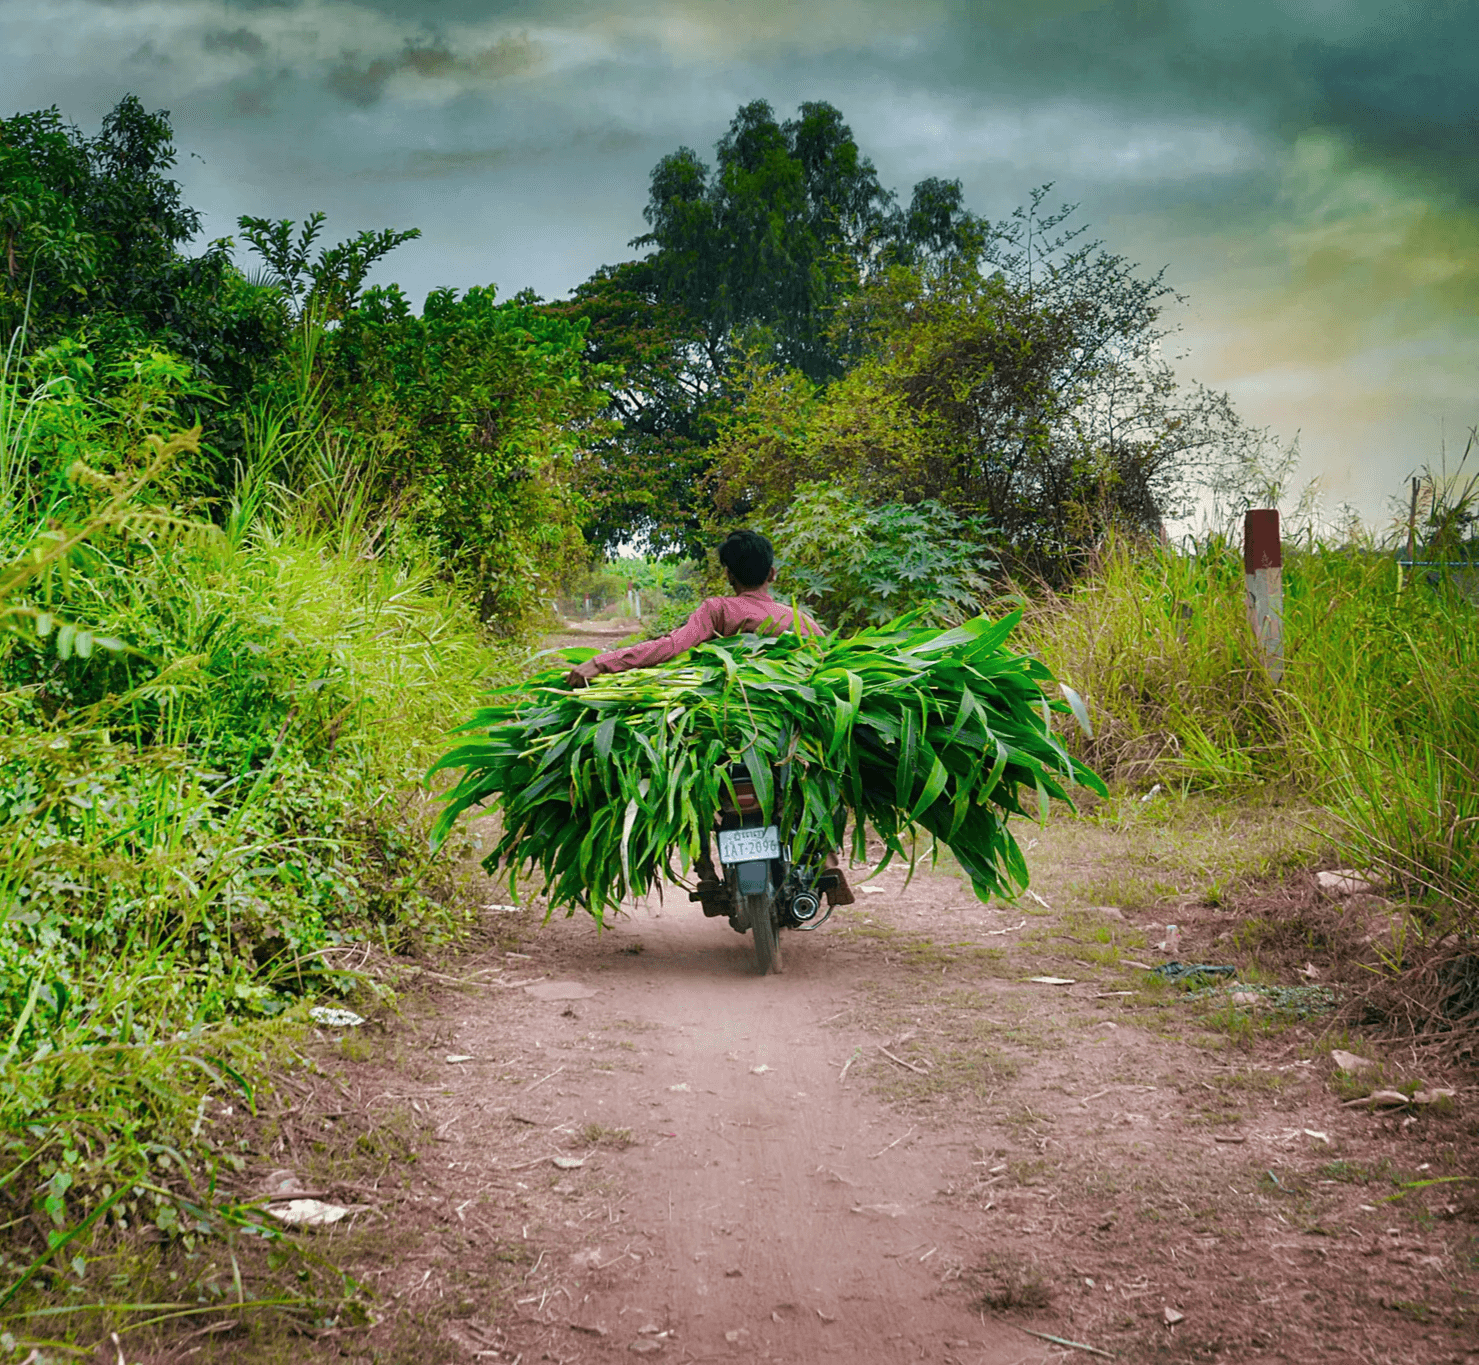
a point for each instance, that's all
(753, 878)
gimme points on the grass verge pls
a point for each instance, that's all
(209, 747)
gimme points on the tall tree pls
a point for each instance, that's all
(753, 255)
(1030, 396)
(774, 237)
(94, 231)
(641, 467)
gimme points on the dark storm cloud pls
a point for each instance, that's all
(1413, 98)
(443, 165)
(241, 40)
(1306, 168)
(1400, 80)
(363, 81)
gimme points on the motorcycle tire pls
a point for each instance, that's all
(761, 910)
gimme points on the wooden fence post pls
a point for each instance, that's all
(1263, 567)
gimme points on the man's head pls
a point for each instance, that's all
(748, 558)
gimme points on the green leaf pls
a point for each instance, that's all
(908, 757)
(934, 785)
(605, 732)
(628, 823)
(758, 766)
(1080, 711)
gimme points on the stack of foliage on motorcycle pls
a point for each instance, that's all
(599, 789)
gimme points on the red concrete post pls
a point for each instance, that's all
(1263, 569)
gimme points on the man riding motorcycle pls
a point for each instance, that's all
(749, 564)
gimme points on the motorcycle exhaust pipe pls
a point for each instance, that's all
(804, 906)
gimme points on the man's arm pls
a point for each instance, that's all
(700, 626)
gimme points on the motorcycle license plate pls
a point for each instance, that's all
(749, 845)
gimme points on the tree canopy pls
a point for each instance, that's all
(93, 233)
(795, 343)
(471, 417)
(1027, 392)
(757, 252)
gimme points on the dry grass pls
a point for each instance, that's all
(1010, 1283)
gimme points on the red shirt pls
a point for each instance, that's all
(752, 610)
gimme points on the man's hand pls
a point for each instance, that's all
(581, 675)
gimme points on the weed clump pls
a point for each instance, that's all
(1010, 1284)
(598, 1135)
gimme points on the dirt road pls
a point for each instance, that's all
(904, 1148)
(947, 1132)
(767, 1210)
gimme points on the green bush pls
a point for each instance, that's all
(472, 414)
(207, 741)
(854, 565)
(666, 619)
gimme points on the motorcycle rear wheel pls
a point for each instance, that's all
(761, 910)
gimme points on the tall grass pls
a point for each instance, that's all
(1376, 716)
(1383, 721)
(210, 742)
(1158, 646)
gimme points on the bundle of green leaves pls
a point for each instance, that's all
(894, 727)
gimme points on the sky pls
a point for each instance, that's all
(1305, 170)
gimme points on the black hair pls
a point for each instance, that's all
(748, 556)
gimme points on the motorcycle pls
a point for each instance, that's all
(768, 889)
